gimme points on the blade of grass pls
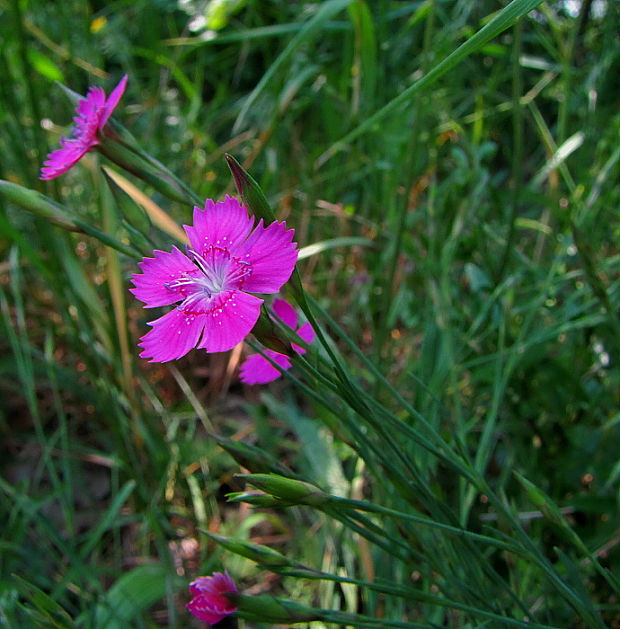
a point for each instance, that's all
(503, 20)
(325, 11)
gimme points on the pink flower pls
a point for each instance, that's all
(209, 602)
(92, 114)
(227, 258)
(256, 369)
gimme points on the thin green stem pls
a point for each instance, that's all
(413, 594)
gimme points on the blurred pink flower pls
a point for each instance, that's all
(92, 114)
(209, 602)
(256, 369)
(227, 258)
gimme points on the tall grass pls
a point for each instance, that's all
(456, 189)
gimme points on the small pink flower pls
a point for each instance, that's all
(256, 369)
(92, 114)
(209, 602)
(227, 258)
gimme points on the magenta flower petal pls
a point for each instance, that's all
(172, 336)
(113, 100)
(89, 111)
(58, 162)
(232, 316)
(273, 255)
(223, 224)
(201, 609)
(216, 584)
(256, 369)
(88, 107)
(288, 314)
(153, 285)
(92, 113)
(285, 311)
(306, 332)
(209, 602)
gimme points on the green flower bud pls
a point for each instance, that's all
(541, 500)
(264, 501)
(253, 458)
(249, 191)
(58, 214)
(38, 204)
(265, 331)
(271, 609)
(295, 491)
(256, 552)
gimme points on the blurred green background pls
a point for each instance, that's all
(483, 279)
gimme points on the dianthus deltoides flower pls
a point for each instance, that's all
(209, 602)
(227, 258)
(256, 369)
(93, 112)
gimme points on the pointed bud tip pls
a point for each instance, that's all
(238, 173)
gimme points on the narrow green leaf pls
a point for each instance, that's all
(132, 594)
(108, 518)
(49, 609)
